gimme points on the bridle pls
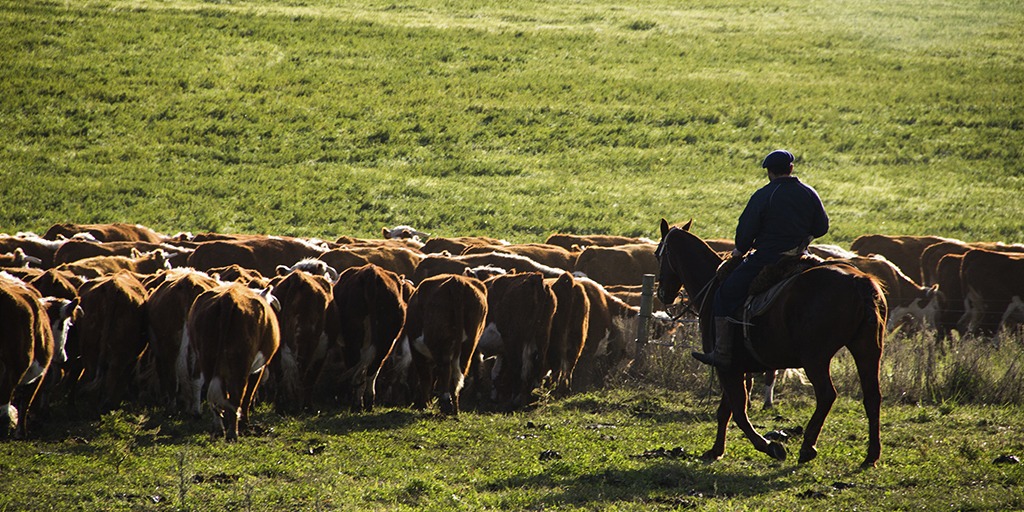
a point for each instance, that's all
(701, 297)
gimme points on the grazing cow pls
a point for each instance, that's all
(262, 254)
(237, 335)
(909, 302)
(437, 264)
(903, 250)
(445, 319)
(575, 242)
(400, 260)
(237, 273)
(112, 335)
(304, 297)
(174, 361)
(33, 246)
(116, 232)
(367, 315)
(568, 330)
(951, 295)
(610, 336)
(18, 259)
(520, 310)
(545, 254)
(624, 264)
(933, 254)
(631, 294)
(458, 245)
(75, 250)
(992, 282)
(312, 266)
(406, 232)
(26, 349)
(139, 263)
(57, 283)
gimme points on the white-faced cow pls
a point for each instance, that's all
(910, 303)
(236, 331)
(624, 264)
(445, 318)
(304, 297)
(366, 315)
(139, 263)
(262, 254)
(520, 310)
(105, 232)
(992, 284)
(569, 329)
(26, 349)
(176, 361)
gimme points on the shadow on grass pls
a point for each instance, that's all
(680, 482)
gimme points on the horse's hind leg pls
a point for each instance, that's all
(825, 396)
(867, 369)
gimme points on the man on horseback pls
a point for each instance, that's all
(781, 218)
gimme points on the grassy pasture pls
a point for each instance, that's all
(517, 119)
(324, 118)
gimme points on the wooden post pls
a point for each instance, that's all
(646, 305)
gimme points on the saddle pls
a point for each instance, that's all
(766, 288)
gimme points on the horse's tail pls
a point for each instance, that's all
(877, 310)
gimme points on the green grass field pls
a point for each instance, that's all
(515, 120)
(518, 119)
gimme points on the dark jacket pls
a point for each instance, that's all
(780, 216)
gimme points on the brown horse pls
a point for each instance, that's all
(826, 307)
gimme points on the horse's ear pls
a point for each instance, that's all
(664, 227)
(686, 227)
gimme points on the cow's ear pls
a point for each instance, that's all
(135, 253)
(384, 232)
(283, 270)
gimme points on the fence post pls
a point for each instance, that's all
(646, 305)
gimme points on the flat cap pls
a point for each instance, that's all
(778, 158)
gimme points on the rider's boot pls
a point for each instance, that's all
(722, 355)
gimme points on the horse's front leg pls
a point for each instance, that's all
(723, 416)
(734, 387)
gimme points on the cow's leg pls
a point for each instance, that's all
(222, 409)
(253, 382)
(769, 388)
(824, 396)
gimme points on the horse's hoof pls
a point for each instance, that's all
(808, 454)
(776, 451)
(711, 455)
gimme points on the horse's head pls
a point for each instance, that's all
(684, 261)
(669, 281)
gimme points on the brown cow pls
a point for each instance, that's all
(32, 245)
(624, 264)
(105, 232)
(992, 282)
(903, 250)
(909, 302)
(139, 263)
(933, 254)
(57, 283)
(367, 315)
(304, 298)
(568, 330)
(573, 242)
(951, 295)
(18, 259)
(174, 360)
(403, 232)
(545, 254)
(75, 250)
(262, 254)
(237, 273)
(458, 245)
(437, 264)
(112, 335)
(445, 318)
(237, 334)
(399, 260)
(520, 310)
(26, 350)
(610, 336)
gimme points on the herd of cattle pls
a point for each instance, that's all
(98, 314)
